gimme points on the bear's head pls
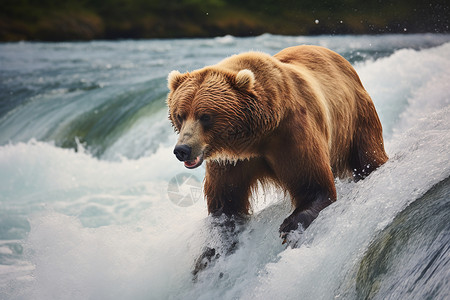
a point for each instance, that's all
(216, 113)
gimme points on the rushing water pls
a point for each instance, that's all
(93, 204)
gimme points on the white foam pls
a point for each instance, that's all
(114, 262)
(395, 81)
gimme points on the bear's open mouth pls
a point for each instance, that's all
(192, 164)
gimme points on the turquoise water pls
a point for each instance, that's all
(92, 204)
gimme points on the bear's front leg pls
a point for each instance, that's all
(223, 240)
(310, 194)
(228, 186)
(304, 171)
(302, 216)
(227, 190)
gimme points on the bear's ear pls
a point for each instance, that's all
(245, 79)
(175, 78)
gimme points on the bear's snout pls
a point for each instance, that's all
(182, 152)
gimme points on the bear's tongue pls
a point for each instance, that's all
(193, 163)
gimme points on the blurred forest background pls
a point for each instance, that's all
(60, 20)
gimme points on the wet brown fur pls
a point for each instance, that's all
(305, 119)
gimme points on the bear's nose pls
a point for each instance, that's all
(182, 152)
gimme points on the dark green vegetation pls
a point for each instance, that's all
(57, 20)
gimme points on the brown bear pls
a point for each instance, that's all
(298, 119)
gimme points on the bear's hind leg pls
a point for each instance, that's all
(367, 152)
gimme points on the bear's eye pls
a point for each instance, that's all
(205, 119)
(180, 118)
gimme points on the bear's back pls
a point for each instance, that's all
(347, 102)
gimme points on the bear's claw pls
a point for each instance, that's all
(295, 224)
(206, 258)
(283, 236)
